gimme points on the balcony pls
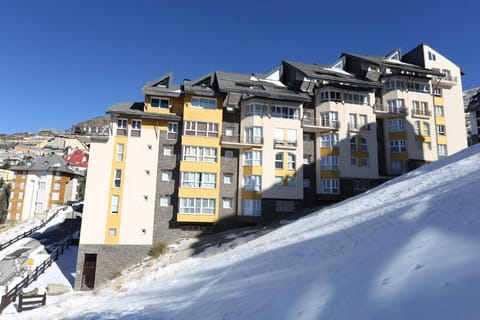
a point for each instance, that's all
(356, 127)
(238, 142)
(383, 110)
(284, 144)
(419, 113)
(319, 125)
(446, 81)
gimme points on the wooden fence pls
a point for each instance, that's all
(31, 302)
(13, 293)
(29, 232)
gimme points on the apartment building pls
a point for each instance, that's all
(40, 185)
(473, 108)
(232, 148)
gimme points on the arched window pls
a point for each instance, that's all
(279, 160)
(353, 143)
(291, 161)
(363, 144)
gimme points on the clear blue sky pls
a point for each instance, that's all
(63, 61)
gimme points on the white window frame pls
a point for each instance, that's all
(200, 180)
(279, 160)
(166, 175)
(253, 158)
(227, 203)
(199, 154)
(136, 128)
(115, 203)
(160, 104)
(291, 161)
(197, 206)
(120, 151)
(426, 129)
(172, 131)
(252, 182)
(442, 150)
(254, 134)
(191, 128)
(329, 163)
(164, 201)
(329, 186)
(228, 179)
(229, 131)
(256, 109)
(285, 112)
(168, 150)
(355, 98)
(397, 146)
(203, 103)
(122, 127)
(441, 130)
(329, 140)
(278, 181)
(252, 207)
(396, 106)
(117, 178)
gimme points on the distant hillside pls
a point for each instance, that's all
(94, 122)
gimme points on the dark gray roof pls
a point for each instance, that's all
(50, 162)
(382, 61)
(322, 72)
(244, 84)
(137, 109)
(162, 86)
(201, 86)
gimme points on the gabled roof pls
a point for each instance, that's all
(391, 63)
(329, 74)
(77, 158)
(162, 86)
(257, 85)
(50, 163)
(137, 109)
(202, 85)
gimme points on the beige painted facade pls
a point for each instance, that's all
(452, 94)
(94, 220)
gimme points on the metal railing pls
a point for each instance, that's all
(29, 232)
(13, 293)
(420, 112)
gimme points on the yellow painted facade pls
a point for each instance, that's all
(113, 219)
(201, 115)
(400, 156)
(329, 174)
(397, 135)
(326, 151)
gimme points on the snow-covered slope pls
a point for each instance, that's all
(409, 249)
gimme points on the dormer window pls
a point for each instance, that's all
(159, 103)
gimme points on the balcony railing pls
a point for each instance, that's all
(447, 77)
(321, 123)
(390, 109)
(422, 113)
(357, 127)
(284, 143)
(252, 140)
